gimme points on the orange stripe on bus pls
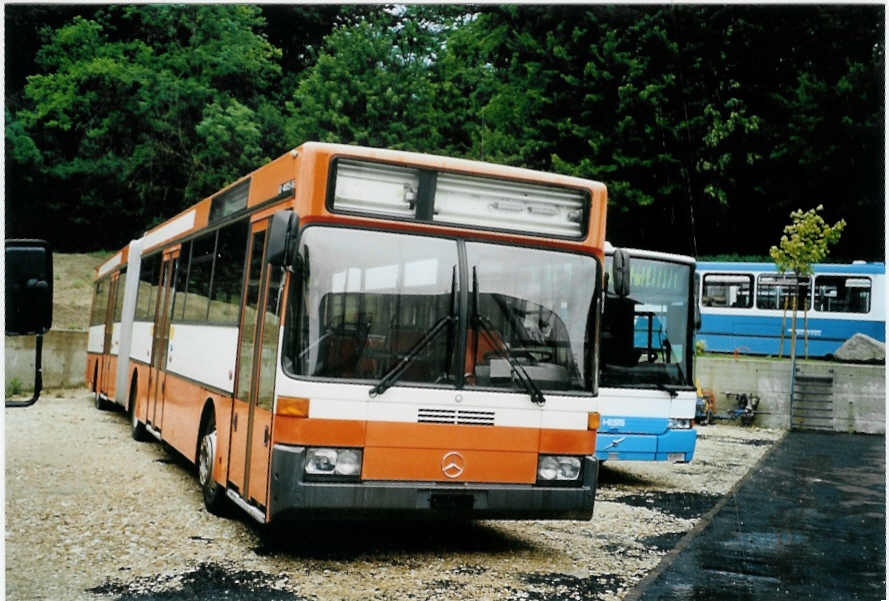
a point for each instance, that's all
(462, 465)
(436, 436)
(568, 442)
(400, 435)
(318, 432)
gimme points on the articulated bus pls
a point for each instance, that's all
(355, 332)
(647, 394)
(745, 306)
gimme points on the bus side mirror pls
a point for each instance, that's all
(29, 300)
(697, 316)
(620, 273)
(282, 238)
(28, 287)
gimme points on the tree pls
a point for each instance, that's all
(375, 84)
(139, 113)
(804, 243)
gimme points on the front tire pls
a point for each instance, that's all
(214, 495)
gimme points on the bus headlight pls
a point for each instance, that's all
(558, 468)
(679, 423)
(323, 461)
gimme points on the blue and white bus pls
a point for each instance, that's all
(743, 306)
(646, 382)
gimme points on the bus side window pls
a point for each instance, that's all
(180, 283)
(148, 276)
(727, 290)
(100, 303)
(777, 292)
(842, 294)
(118, 303)
(228, 273)
(200, 270)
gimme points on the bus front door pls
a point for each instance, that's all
(160, 342)
(257, 351)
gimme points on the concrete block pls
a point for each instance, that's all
(859, 391)
(64, 359)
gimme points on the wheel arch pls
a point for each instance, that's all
(207, 412)
(133, 395)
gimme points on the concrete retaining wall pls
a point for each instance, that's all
(859, 391)
(64, 359)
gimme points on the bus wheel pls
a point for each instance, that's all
(137, 428)
(214, 494)
(98, 401)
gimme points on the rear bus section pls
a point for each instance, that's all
(105, 328)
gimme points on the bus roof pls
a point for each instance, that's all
(853, 268)
(265, 184)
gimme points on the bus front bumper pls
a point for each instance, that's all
(291, 497)
(677, 446)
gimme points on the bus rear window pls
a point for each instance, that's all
(842, 294)
(728, 290)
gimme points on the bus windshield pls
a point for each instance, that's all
(645, 336)
(363, 299)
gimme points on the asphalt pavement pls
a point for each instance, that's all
(809, 522)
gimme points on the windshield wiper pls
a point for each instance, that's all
(488, 329)
(392, 375)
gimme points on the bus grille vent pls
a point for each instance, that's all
(464, 417)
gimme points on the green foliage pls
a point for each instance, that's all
(370, 86)
(14, 387)
(700, 347)
(805, 241)
(133, 127)
(708, 124)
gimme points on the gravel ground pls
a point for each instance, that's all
(93, 515)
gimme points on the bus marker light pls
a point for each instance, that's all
(293, 407)
(592, 420)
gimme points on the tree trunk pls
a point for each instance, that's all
(793, 332)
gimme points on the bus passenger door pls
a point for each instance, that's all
(239, 449)
(161, 340)
(258, 347)
(106, 371)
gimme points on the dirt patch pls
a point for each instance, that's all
(73, 276)
(562, 587)
(683, 505)
(207, 581)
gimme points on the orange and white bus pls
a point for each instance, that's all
(350, 331)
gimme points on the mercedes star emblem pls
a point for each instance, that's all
(453, 464)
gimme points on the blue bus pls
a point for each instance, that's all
(646, 382)
(745, 306)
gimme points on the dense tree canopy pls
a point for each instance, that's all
(708, 124)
